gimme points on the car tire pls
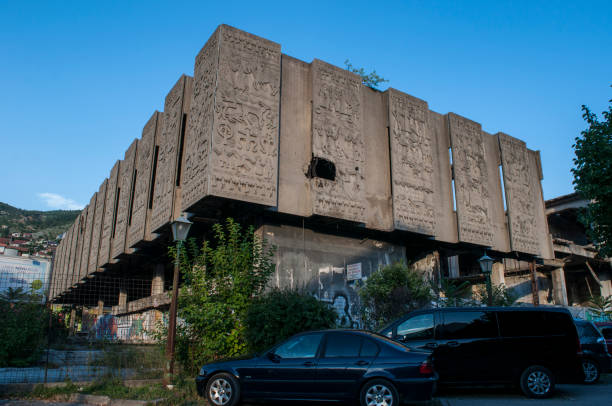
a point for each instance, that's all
(591, 371)
(222, 389)
(537, 382)
(377, 390)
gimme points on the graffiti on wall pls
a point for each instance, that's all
(138, 327)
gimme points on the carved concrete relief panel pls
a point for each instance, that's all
(232, 134)
(145, 156)
(169, 143)
(108, 224)
(541, 224)
(97, 228)
(337, 136)
(471, 184)
(520, 200)
(91, 210)
(411, 164)
(199, 124)
(74, 237)
(244, 154)
(125, 182)
(81, 223)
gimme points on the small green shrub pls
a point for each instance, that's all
(279, 314)
(391, 292)
(22, 332)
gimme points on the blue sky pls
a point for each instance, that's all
(79, 79)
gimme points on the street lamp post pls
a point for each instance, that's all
(486, 264)
(180, 229)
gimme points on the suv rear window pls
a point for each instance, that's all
(587, 330)
(534, 323)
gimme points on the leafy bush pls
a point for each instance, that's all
(600, 306)
(22, 332)
(391, 292)
(221, 281)
(279, 314)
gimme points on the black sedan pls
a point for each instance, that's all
(324, 365)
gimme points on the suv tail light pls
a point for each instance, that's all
(426, 368)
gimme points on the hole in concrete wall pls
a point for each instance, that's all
(321, 168)
(153, 174)
(503, 187)
(450, 160)
(134, 175)
(180, 151)
(117, 197)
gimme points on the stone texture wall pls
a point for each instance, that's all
(124, 200)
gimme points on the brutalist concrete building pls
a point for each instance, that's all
(340, 177)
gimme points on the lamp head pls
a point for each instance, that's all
(180, 228)
(486, 264)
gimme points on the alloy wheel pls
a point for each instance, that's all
(220, 392)
(379, 395)
(538, 382)
(590, 371)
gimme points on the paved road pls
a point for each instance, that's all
(566, 395)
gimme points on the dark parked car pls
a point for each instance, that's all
(534, 347)
(324, 365)
(606, 329)
(594, 351)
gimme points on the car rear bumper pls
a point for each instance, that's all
(412, 389)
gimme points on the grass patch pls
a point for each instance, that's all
(112, 387)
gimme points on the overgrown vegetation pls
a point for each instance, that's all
(371, 79)
(279, 314)
(24, 326)
(593, 177)
(391, 292)
(221, 281)
(500, 295)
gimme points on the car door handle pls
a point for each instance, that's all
(453, 344)
(362, 363)
(431, 345)
(309, 364)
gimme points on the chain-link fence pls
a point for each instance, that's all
(105, 327)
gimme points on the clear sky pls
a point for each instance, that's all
(79, 79)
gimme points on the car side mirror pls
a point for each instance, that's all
(601, 340)
(272, 356)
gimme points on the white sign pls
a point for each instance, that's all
(353, 271)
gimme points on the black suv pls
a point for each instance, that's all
(534, 347)
(594, 351)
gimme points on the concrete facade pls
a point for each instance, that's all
(297, 147)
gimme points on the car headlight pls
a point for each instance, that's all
(202, 371)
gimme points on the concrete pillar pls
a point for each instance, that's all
(157, 284)
(122, 296)
(559, 288)
(497, 274)
(72, 320)
(100, 307)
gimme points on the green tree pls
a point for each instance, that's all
(279, 314)
(221, 281)
(601, 306)
(391, 292)
(593, 177)
(371, 79)
(454, 293)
